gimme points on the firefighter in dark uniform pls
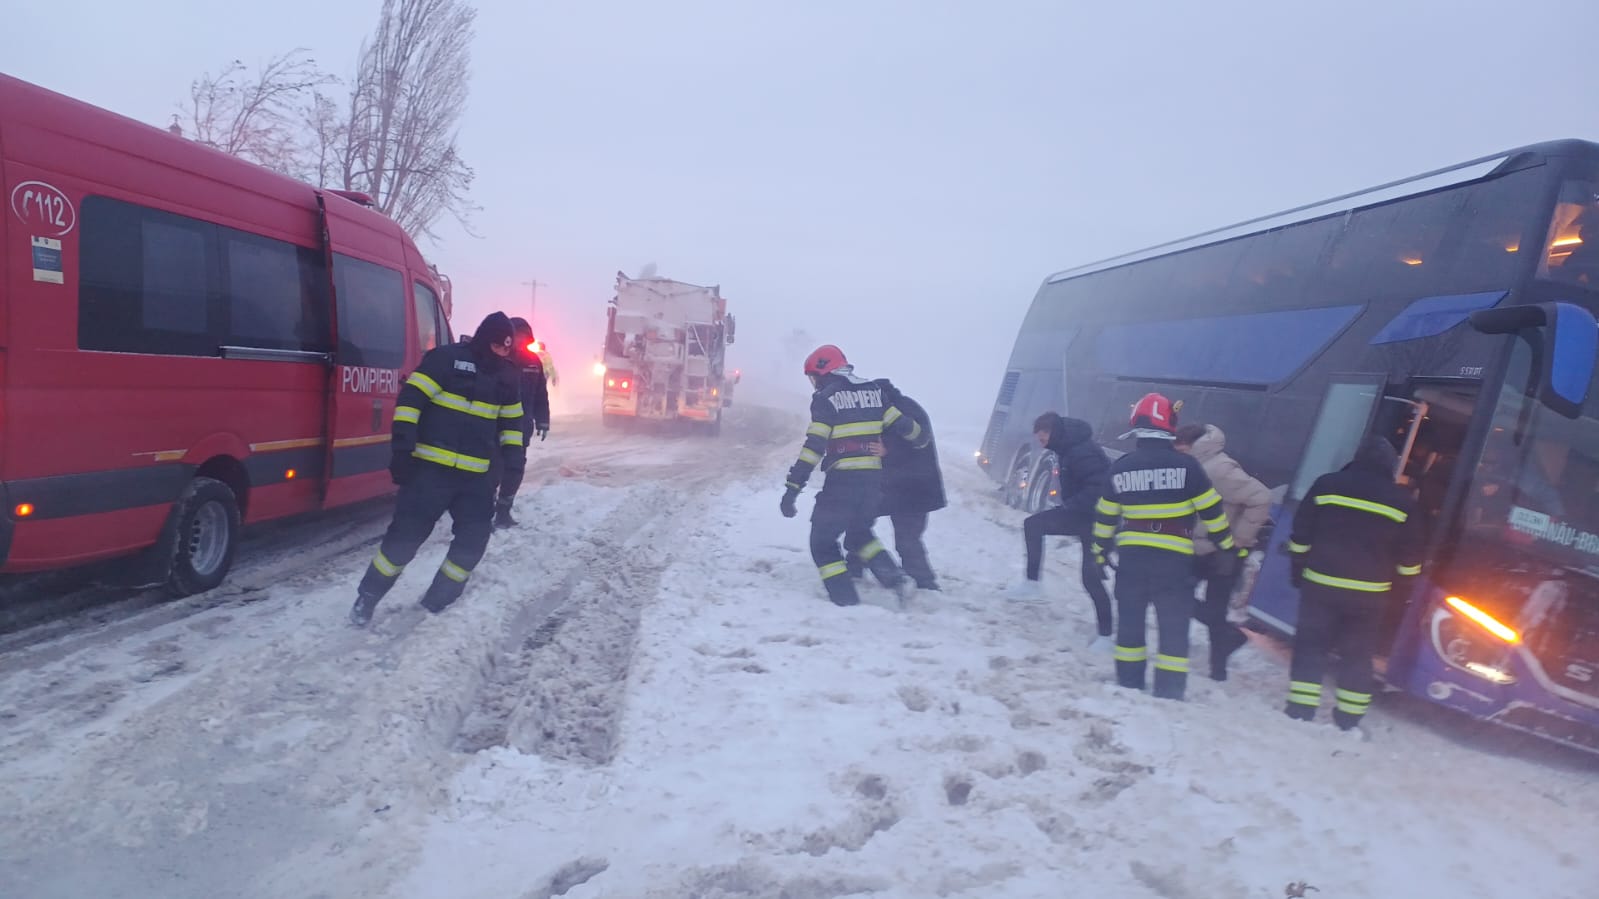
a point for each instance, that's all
(535, 414)
(1353, 533)
(849, 415)
(1149, 508)
(458, 417)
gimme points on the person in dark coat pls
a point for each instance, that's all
(457, 421)
(535, 414)
(913, 487)
(1084, 477)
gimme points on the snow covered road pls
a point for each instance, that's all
(644, 694)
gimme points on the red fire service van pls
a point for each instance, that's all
(188, 343)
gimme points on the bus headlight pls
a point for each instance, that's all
(1467, 643)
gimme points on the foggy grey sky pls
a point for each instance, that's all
(895, 176)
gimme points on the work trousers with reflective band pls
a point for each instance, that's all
(434, 490)
(1345, 623)
(1161, 578)
(847, 507)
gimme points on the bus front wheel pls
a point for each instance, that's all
(1014, 492)
(201, 537)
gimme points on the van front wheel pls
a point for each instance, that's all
(202, 537)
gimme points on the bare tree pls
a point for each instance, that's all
(326, 148)
(257, 115)
(410, 89)
(396, 138)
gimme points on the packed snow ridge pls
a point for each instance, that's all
(645, 694)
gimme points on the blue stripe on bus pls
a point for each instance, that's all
(1431, 316)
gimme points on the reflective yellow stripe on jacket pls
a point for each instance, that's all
(1173, 542)
(858, 429)
(1362, 505)
(449, 459)
(857, 463)
(1347, 583)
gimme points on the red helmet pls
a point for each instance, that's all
(1155, 413)
(824, 359)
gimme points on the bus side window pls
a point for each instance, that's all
(427, 316)
(372, 306)
(1571, 253)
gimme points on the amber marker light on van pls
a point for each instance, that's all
(1484, 620)
(289, 475)
(24, 510)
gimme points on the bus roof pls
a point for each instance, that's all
(1449, 176)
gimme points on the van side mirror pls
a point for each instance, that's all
(1567, 348)
(730, 324)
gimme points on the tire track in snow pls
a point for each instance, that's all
(262, 748)
(509, 675)
(556, 686)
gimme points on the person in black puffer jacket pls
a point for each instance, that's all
(913, 487)
(1084, 475)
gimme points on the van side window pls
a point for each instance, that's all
(277, 293)
(164, 284)
(147, 281)
(372, 307)
(427, 316)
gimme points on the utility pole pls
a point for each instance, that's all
(533, 297)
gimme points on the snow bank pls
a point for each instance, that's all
(645, 694)
(773, 745)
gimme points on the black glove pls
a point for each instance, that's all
(543, 429)
(401, 466)
(787, 505)
(1224, 563)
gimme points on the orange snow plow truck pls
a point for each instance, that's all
(665, 353)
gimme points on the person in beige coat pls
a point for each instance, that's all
(1247, 503)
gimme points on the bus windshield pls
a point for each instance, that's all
(1536, 486)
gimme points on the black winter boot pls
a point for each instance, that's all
(502, 515)
(1170, 684)
(886, 570)
(841, 590)
(1300, 712)
(441, 593)
(365, 605)
(1346, 721)
(1224, 641)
